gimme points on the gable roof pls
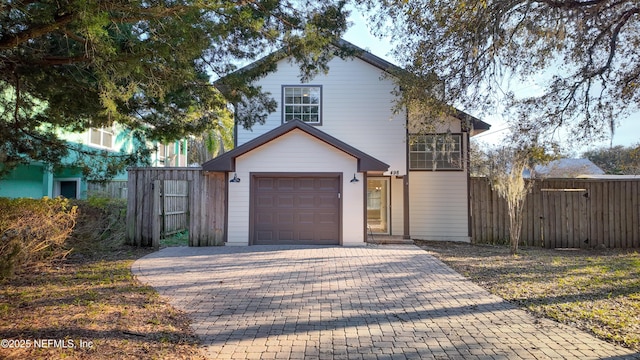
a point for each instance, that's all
(473, 124)
(227, 161)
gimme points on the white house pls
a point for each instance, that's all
(334, 162)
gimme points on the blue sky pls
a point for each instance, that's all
(627, 133)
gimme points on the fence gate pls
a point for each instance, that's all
(171, 208)
(565, 218)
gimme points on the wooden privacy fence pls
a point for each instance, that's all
(562, 213)
(115, 189)
(156, 196)
(172, 199)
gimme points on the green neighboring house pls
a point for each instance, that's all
(36, 180)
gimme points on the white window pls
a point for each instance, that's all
(161, 153)
(302, 103)
(166, 154)
(435, 152)
(102, 137)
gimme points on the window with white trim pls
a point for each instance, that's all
(166, 154)
(302, 103)
(435, 152)
(102, 137)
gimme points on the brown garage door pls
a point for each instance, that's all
(296, 209)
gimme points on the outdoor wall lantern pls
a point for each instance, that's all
(235, 179)
(355, 179)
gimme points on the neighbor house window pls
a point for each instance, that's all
(302, 103)
(435, 152)
(102, 137)
(166, 153)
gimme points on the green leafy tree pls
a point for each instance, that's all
(69, 65)
(211, 143)
(617, 160)
(467, 51)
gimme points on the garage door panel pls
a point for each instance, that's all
(306, 218)
(285, 235)
(285, 201)
(306, 200)
(327, 201)
(285, 185)
(326, 218)
(296, 210)
(285, 219)
(324, 184)
(264, 236)
(264, 200)
(306, 184)
(264, 218)
(264, 184)
(307, 236)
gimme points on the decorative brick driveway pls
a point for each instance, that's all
(374, 302)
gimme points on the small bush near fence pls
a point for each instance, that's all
(101, 226)
(38, 232)
(32, 231)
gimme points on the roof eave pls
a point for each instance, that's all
(226, 162)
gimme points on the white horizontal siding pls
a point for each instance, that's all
(356, 108)
(397, 206)
(451, 124)
(438, 205)
(296, 152)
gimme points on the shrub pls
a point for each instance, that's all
(100, 226)
(32, 231)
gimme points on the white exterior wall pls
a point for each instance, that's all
(452, 125)
(296, 152)
(356, 108)
(438, 200)
(397, 206)
(438, 205)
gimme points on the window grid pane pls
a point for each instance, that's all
(302, 103)
(101, 137)
(429, 152)
(107, 139)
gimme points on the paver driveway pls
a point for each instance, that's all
(374, 302)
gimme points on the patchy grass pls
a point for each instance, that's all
(178, 239)
(595, 290)
(91, 297)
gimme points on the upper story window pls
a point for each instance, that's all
(435, 152)
(102, 137)
(302, 103)
(166, 154)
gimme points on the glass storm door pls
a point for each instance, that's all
(378, 205)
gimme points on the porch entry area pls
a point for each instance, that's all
(378, 205)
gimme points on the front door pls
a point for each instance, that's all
(378, 205)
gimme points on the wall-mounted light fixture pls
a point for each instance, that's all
(355, 179)
(235, 179)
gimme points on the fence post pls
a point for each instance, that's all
(157, 213)
(131, 209)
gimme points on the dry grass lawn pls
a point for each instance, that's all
(595, 290)
(91, 297)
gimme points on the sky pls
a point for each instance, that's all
(626, 134)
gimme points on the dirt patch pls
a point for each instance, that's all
(595, 290)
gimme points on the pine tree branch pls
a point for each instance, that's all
(11, 42)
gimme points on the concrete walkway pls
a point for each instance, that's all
(374, 302)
